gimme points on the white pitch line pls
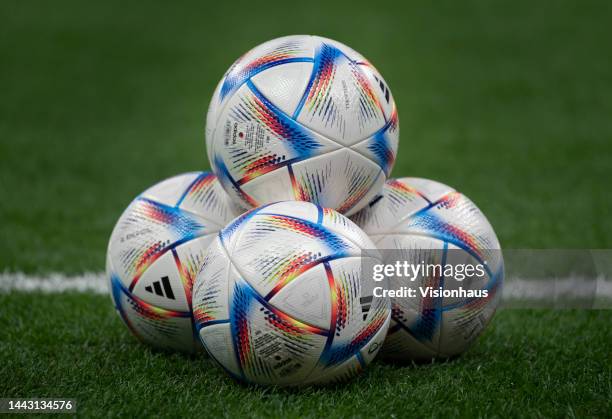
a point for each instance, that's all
(515, 289)
(559, 293)
(92, 282)
(538, 289)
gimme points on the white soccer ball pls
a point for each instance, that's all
(302, 118)
(155, 251)
(424, 219)
(281, 299)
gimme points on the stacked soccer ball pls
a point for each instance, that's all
(300, 131)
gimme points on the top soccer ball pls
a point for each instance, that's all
(302, 118)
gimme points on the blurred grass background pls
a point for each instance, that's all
(508, 101)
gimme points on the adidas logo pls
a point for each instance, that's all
(366, 302)
(383, 88)
(156, 288)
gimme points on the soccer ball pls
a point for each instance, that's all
(155, 251)
(302, 118)
(281, 300)
(422, 219)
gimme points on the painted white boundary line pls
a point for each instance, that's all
(515, 289)
(92, 282)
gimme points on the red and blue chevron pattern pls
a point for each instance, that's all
(341, 107)
(255, 320)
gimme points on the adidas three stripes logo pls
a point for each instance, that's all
(156, 288)
(366, 303)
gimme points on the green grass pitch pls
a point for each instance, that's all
(525, 365)
(508, 101)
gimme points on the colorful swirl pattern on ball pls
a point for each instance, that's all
(246, 302)
(381, 146)
(429, 221)
(242, 167)
(240, 71)
(156, 228)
